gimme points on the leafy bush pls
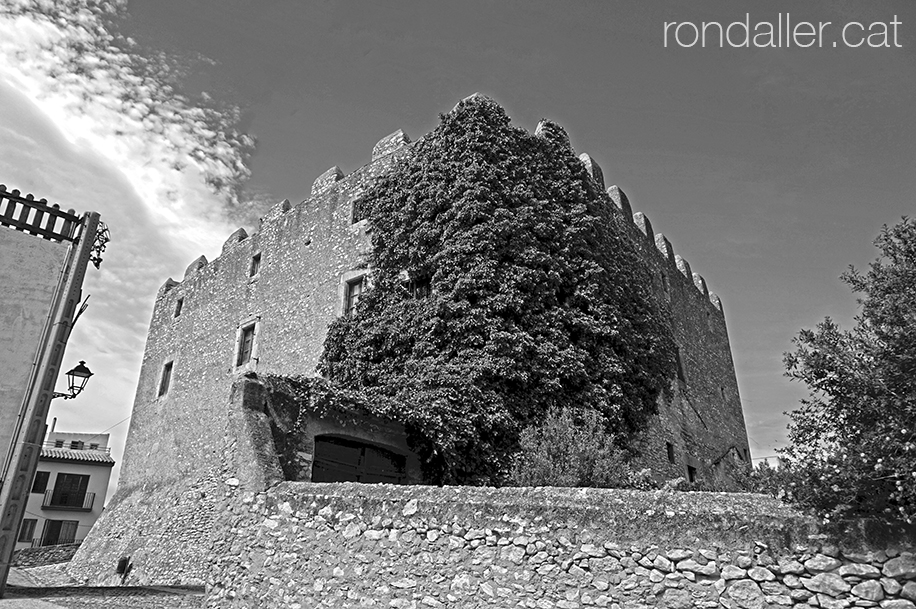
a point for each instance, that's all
(853, 450)
(535, 299)
(574, 449)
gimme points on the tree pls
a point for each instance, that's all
(502, 286)
(853, 450)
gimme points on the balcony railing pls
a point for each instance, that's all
(37, 542)
(81, 502)
(80, 446)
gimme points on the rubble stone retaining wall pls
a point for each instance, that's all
(47, 555)
(303, 545)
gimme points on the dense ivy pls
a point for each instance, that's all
(536, 300)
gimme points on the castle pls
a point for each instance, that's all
(263, 306)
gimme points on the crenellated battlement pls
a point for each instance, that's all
(644, 226)
(398, 141)
(322, 191)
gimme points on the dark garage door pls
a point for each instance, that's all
(346, 460)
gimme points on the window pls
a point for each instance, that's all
(420, 288)
(93, 447)
(58, 443)
(27, 532)
(76, 445)
(59, 532)
(41, 482)
(69, 490)
(722, 392)
(255, 267)
(246, 345)
(179, 304)
(166, 378)
(353, 291)
(670, 448)
(691, 474)
(680, 366)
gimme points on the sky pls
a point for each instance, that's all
(771, 169)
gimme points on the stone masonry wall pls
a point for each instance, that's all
(191, 435)
(46, 555)
(186, 441)
(302, 545)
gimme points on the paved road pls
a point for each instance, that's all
(113, 598)
(46, 589)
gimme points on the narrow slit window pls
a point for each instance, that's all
(166, 380)
(680, 365)
(179, 305)
(669, 447)
(421, 288)
(691, 474)
(246, 345)
(255, 267)
(27, 532)
(354, 291)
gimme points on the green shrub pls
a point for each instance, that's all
(571, 448)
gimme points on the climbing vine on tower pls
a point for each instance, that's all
(502, 286)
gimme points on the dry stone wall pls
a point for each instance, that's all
(46, 555)
(302, 545)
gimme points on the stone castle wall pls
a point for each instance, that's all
(704, 421)
(304, 545)
(183, 444)
(176, 467)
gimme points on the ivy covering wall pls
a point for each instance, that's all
(502, 286)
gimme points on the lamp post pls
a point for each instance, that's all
(76, 381)
(29, 433)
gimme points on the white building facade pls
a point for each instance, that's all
(68, 491)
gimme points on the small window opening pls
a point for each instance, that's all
(58, 443)
(40, 485)
(358, 211)
(166, 378)
(354, 291)
(179, 304)
(691, 474)
(255, 265)
(27, 532)
(420, 288)
(76, 445)
(93, 447)
(670, 448)
(722, 392)
(246, 345)
(680, 365)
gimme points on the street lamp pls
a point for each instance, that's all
(76, 379)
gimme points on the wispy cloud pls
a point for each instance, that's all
(92, 122)
(185, 160)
